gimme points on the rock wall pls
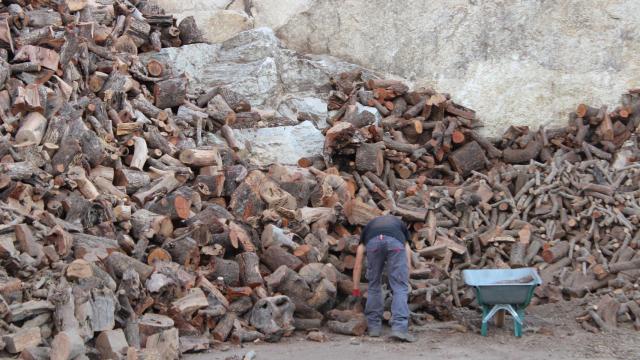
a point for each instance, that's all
(290, 90)
(515, 62)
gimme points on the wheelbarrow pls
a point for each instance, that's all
(507, 290)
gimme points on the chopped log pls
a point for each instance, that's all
(19, 341)
(607, 309)
(176, 205)
(126, 44)
(132, 180)
(624, 266)
(38, 55)
(164, 184)
(358, 117)
(241, 335)
(158, 254)
(556, 252)
(275, 256)
(249, 263)
(489, 148)
(148, 224)
(273, 316)
(166, 342)
(79, 269)
(86, 187)
(184, 251)
(148, 109)
(201, 157)
(156, 140)
(229, 270)
(399, 146)
(210, 185)
(67, 345)
(32, 129)
(355, 327)
(35, 353)
(103, 304)
(394, 85)
(194, 343)
(106, 187)
(307, 324)
(435, 251)
(224, 327)
(370, 157)
(6, 40)
(360, 213)
(517, 255)
(461, 111)
(137, 29)
(219, 111)
(227, 133)
(519, 156)
(170, 36)
(191, 302)
(416, 109)
(338, 136)
(27, 242)
(170, 93)
(468, 158)
(111, 344)
(150, 324)
(27, 309)
(119, 263)
(238, 102)
(586, 111)
(155, 68)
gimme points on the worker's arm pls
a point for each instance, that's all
(357, 269)
(407, 248)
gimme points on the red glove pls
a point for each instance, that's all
(356, 293)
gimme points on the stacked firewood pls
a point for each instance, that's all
(564, 200)
(126, 232)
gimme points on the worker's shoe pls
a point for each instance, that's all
(402, 336)
(375, 332)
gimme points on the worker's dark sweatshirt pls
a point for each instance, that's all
(385, 225)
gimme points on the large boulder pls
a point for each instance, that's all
(255, 64)
(282, 144)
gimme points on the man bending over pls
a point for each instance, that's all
(386, 242)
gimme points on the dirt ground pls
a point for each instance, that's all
(550, 333)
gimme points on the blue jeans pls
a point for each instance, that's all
(383, 250)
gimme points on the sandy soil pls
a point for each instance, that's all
(550, 333)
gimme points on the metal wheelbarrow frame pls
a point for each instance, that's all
(510, 290)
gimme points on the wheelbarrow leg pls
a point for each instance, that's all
(488, 314)
(518, 322)
(485, 321)
(518, 316)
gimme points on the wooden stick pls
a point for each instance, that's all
(140, 153)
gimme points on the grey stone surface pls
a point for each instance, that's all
(255, 64)
(515, 62)
(283, 144)
(305, 108)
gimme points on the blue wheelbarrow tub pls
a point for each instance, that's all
(503, 286)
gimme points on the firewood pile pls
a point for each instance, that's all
(126, 233)
(564, 200)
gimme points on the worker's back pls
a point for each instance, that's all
(385, 225)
